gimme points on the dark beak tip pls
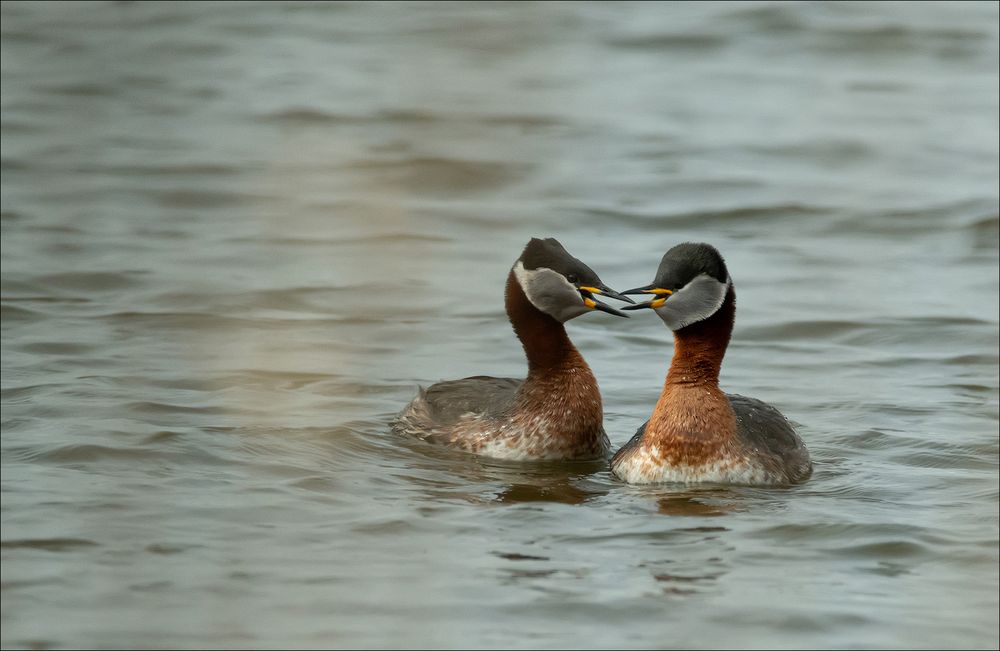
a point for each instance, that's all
(610, 293)
(601, 307)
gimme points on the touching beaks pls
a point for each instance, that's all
(661, 297)
(589, 291)
(604, 290)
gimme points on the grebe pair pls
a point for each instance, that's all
(696, 433)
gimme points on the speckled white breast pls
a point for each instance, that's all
(536, 440)
(520, 438)
(646, 466)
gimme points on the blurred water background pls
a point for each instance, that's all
(235, 237)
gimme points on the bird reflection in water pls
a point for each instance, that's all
(562, 492)
(697, 504)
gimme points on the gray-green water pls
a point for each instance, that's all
(235, 238)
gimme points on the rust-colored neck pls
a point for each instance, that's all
(560, 392)
(545, 341)
(700, 347)
(693, 417)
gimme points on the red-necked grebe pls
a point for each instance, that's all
(697, 433)
(554, 413)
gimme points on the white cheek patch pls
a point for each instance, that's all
(550, 292)
(696, 301)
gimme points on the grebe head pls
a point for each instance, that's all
(690, 285)
(560, 285)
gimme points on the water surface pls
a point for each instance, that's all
(236, 237)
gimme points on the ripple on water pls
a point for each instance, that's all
(90, 455)
(57, 348)
(846, 535)
(97, 281)
(676, 42)
(749, 216)
(49, 544)
(10, 313)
